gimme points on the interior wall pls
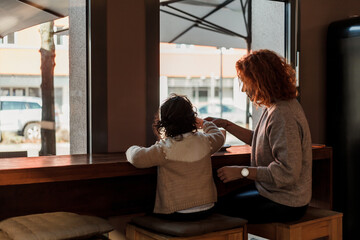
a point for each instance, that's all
(126, 69)
(315, 17)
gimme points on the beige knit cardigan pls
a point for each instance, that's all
(185, 178)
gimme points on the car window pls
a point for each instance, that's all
(32, 105)
(203, 110)
(215, 109)
(226, 108)
(8, 105)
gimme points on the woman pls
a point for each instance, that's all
(281, 155)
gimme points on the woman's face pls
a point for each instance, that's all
(242, 86)
(244, 89)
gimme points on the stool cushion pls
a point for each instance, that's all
(54, 226)
(4, 236)
(213, 223)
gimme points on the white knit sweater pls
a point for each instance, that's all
(185, 177)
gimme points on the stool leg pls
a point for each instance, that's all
(336, 229)
(131, 232)
(245, 236)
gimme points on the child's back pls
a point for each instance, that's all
(185, 182)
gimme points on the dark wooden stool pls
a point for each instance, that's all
(215, 227)
(317, 223)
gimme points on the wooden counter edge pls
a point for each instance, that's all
(113, 168)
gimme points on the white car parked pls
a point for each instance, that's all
(21, 114)
(229, 112)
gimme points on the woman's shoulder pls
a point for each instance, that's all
(287, 113)
(285, 107)
(283, 111)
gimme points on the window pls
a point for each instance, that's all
(203, 95)
(18, 92)
(217, 92)
(58, 36)
(204, 43)
(12, 105)
(34, 92)
(26, 87)
(32, 105)
(9, 39)
(4, 91)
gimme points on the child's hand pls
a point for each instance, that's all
(199, 122)
(219, 122)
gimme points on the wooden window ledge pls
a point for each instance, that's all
(15, 171)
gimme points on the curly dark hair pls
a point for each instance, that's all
(267, 77)
(175, 116)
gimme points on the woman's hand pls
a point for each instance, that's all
(219, 122)
(229, 173)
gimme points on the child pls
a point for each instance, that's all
(185, 185)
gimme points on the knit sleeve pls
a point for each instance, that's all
(214, 135)
(142, 157)
(284, 138)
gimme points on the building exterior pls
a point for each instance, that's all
(20, 61)
(205, 74)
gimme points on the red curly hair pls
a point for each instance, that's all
(266, 77)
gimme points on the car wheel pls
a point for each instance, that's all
(32, 131)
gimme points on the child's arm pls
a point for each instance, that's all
(215, 136)
(142, 157)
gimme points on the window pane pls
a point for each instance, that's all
(33, 105)
(59, 38)
(204, 56)
(200, 76)
(12, 105)
(11, 38)
(4, 91)
(18, 92)
(198, 58)
(25, 86)
(34, 92)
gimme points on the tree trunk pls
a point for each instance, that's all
(47, 51)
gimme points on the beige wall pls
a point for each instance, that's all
(28, 62)
(203, 61)
(315, 18)
(25, 59)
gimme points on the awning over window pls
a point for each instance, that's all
(220, 23)
(16, 15)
